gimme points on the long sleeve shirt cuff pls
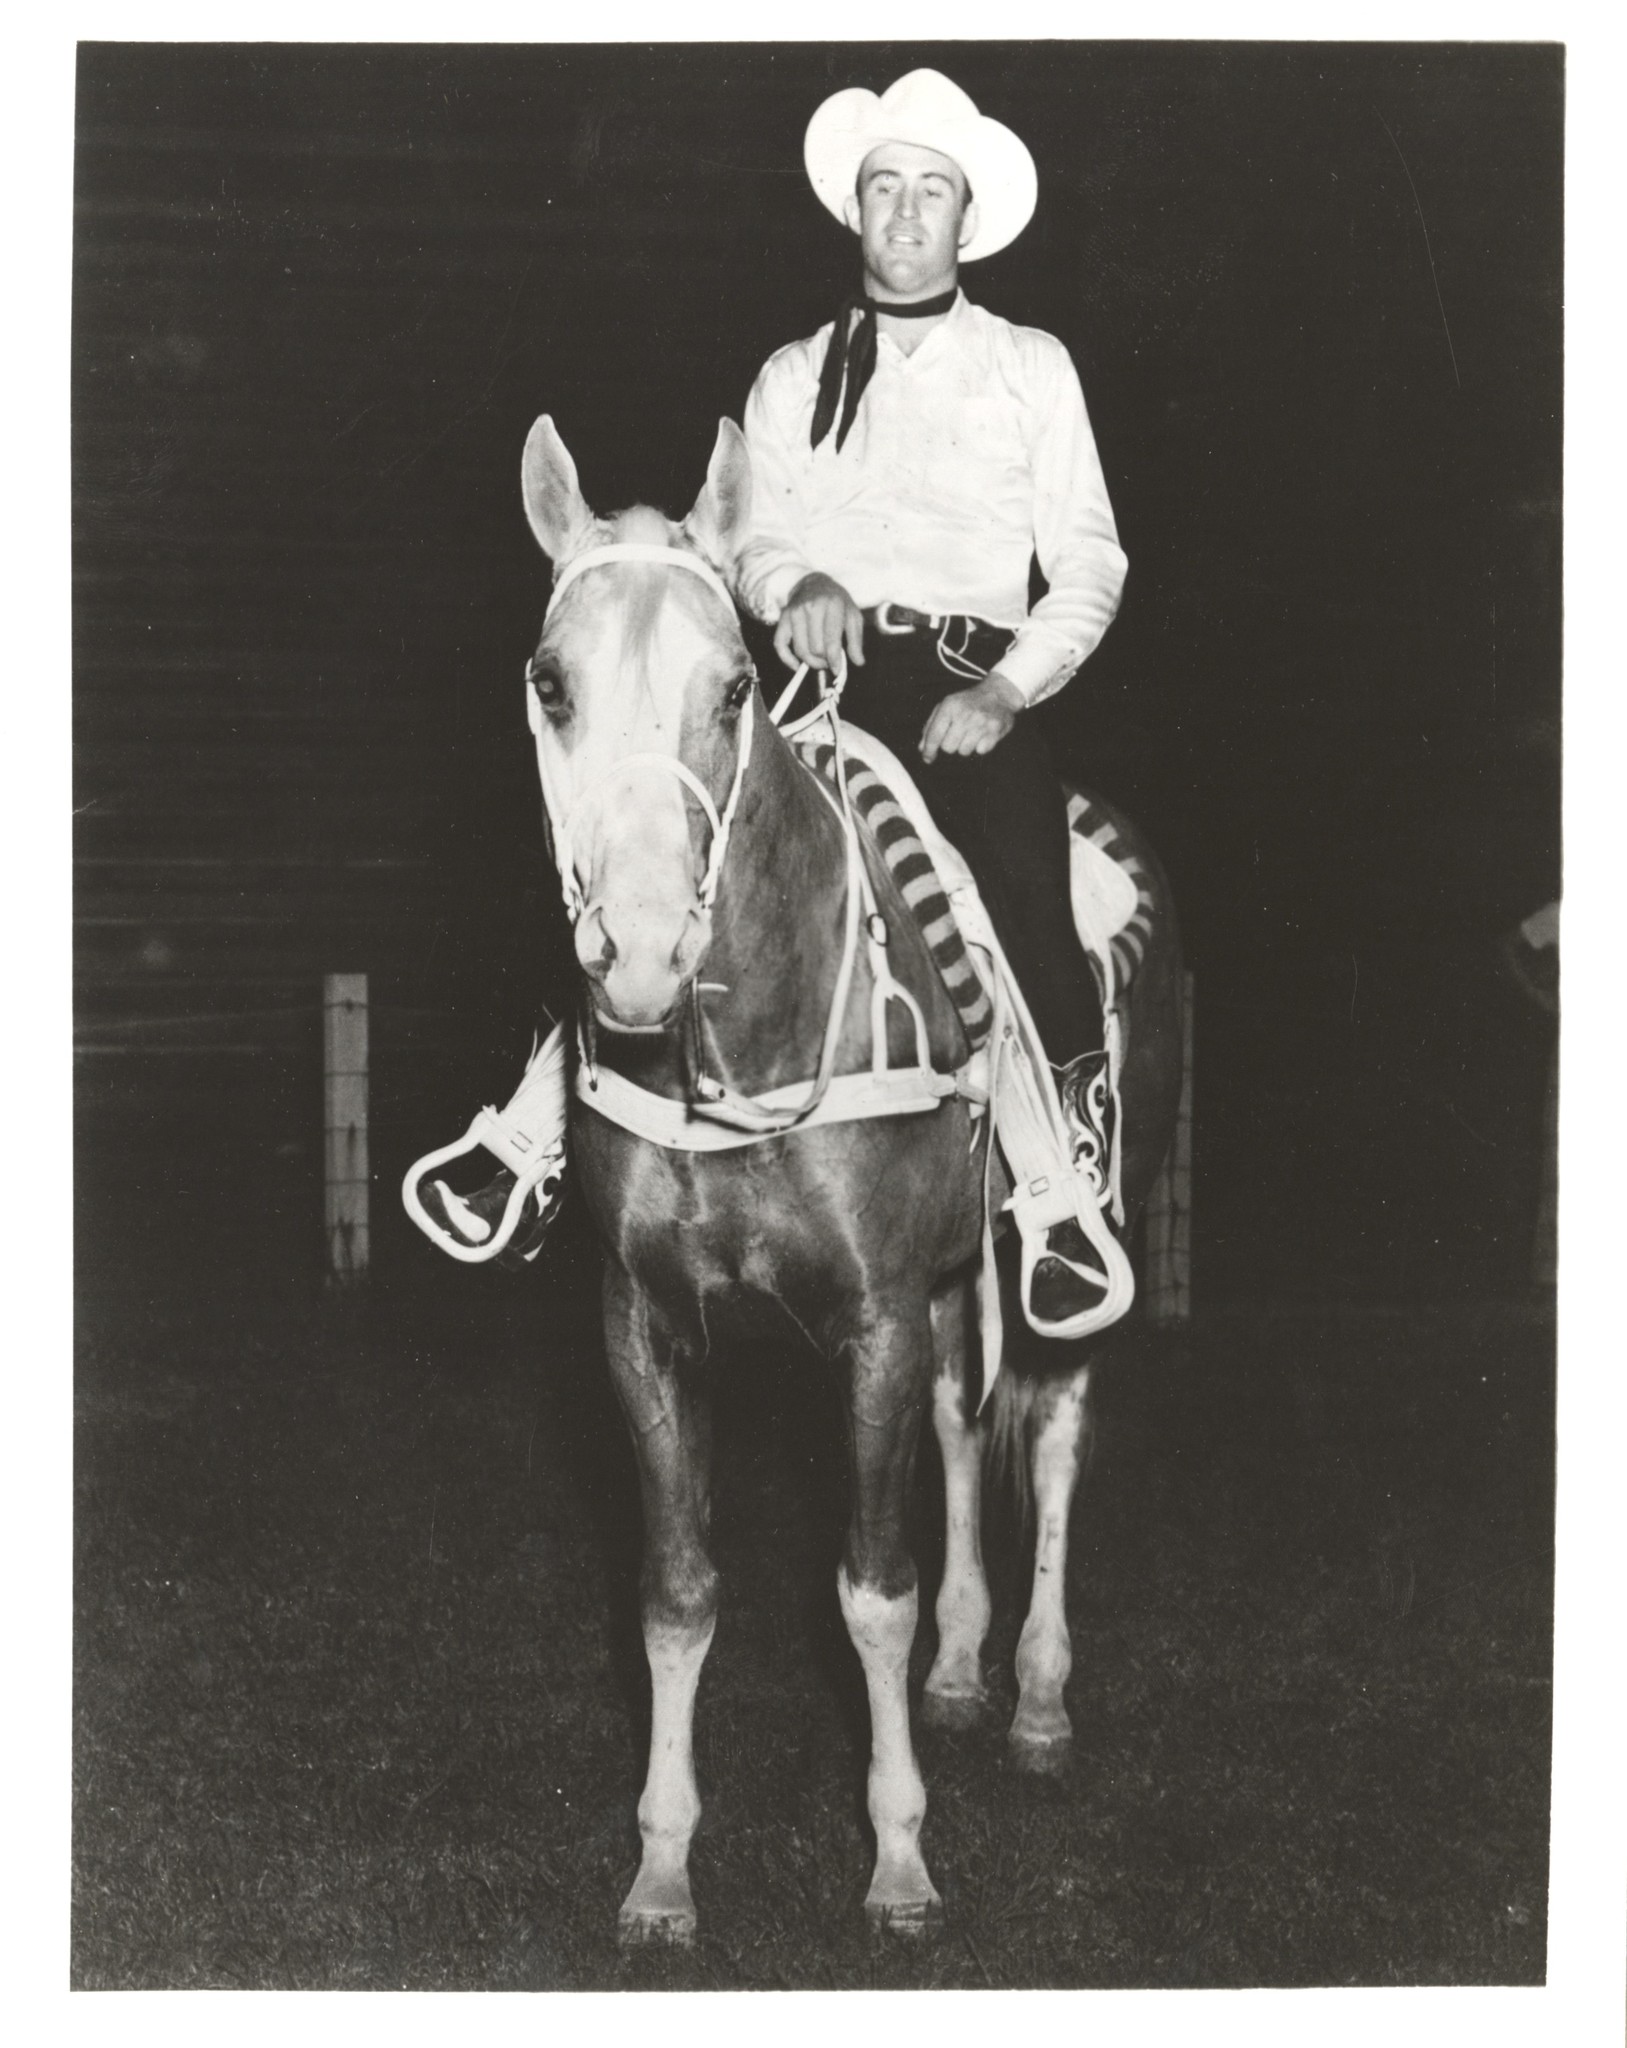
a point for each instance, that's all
(1038, 662)
(764, 588)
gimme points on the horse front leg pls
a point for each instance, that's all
(670, 1418)
(891, 1368)
(956, 1696)
(1041, 1732)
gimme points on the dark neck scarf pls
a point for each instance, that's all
(851, 359)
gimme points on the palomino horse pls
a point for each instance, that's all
(692, 842)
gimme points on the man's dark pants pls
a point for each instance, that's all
(1007, 814)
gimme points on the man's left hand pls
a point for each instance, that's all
(973, 721)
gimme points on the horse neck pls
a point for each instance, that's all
(777, 927)
(778, 931)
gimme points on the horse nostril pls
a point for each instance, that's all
(692, 943)
(595, 948)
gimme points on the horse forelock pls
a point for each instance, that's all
(644, 526)
(613, 615)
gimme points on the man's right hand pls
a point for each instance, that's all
(818, 622)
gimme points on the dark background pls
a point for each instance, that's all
(357, 1685)
(1314, 294)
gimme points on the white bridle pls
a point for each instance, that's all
(886, 1091)
(563, 821)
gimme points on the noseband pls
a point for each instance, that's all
(563, 825)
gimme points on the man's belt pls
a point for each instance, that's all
(966, 646)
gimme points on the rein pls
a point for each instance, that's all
(884, 1090)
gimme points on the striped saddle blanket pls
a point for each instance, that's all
(1112, 903)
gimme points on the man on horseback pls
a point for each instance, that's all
(909, 461)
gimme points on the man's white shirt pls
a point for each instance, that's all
(965, 459)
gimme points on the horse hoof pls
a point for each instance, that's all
(1041, 1756)
(645, 1928)
(918, 1920)
(955, 1711)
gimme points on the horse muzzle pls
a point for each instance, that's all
(638, 966)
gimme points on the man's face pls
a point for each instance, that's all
(913, 218)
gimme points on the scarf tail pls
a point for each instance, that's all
(850, 360)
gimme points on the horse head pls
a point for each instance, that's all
(640, 698)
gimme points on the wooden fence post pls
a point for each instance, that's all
(1545, 1244)
(344, 1099)
(1168, 1276)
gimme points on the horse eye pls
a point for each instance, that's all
(740, 689)
(545, 681)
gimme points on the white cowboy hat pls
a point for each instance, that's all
(931, 111)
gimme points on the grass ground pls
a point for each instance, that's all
(359, 1696)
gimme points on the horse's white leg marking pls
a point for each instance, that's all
(954, 1689)
(1041, 1730)
(901, 1894)
(660, 1906)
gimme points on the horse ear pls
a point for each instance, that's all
(717, 523)
(553, 501)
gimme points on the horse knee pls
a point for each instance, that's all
(877, 1557)
(680, 1594)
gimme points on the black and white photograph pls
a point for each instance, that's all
(818, 839)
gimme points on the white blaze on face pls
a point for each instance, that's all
(638, 860)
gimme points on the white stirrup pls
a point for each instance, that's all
(522, 1134)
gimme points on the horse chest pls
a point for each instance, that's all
(734, 1229)
(817, 1218)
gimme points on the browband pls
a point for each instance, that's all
(638, 551)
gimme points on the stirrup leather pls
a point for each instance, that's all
(1051, 1184)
